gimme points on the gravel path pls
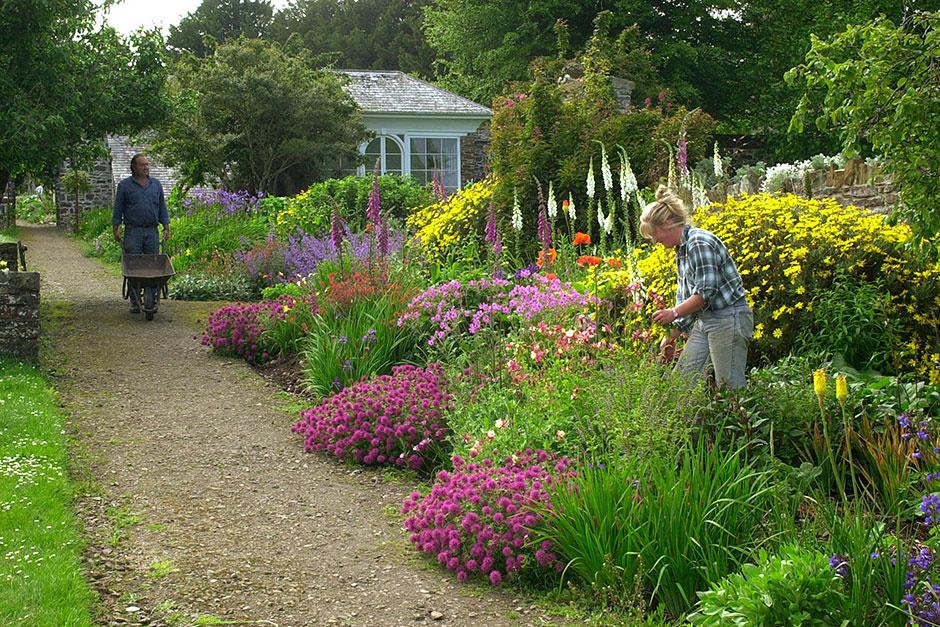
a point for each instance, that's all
(197, 500)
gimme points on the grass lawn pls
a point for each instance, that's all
(40, 574)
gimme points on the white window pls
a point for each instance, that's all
(436, 156)
(387, 150)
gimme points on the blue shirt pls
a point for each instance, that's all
(137, 205)
(705, 267)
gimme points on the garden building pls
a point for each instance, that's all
(420, 129)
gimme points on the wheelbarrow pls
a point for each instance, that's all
(149, 274)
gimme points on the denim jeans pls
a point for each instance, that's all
(141, 241)
(720, 339)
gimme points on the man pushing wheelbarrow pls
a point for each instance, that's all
(140, 206)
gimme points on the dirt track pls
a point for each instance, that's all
(199, 502)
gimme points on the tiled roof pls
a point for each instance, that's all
(396, 92)
(121, 152)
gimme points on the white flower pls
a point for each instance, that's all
(627, 178)
(605, 170)
(699, 197)
(590, 179)
(572, 212)
(491, 434)
(560, 435)
(500, 423)
(600, 214)
(719, 167)
(552, 203)
(516, 211)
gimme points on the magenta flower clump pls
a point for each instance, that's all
(237, 329)
(476, 519)
(392, 419)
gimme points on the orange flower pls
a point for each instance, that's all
(581, 238)
(552, 256)
(613, 262)
(551, 275)
(588, 260)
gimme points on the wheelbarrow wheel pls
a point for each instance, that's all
(149, 304)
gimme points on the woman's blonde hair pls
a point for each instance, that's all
(667, 210)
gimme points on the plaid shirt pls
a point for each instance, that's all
(704, 267)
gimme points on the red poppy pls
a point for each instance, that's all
(613, 262)
(551, 275)
(552, 256)
(588, 260)
(581, 238)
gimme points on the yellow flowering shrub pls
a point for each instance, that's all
(789, 249)
(442, 227)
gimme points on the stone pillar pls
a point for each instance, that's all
(19, 315)
(474, 164)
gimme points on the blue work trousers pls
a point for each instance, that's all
(141, 240)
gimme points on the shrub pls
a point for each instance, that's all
(442, 227)
(310, 210)
(477, 518)
(212, 223)
(202, 286)
(795, 586)
(392, 419)
(35, 208)
(851, 319)
(592, 401)
(789, 251)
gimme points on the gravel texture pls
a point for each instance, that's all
(197, 501)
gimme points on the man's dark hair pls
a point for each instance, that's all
(134, 160)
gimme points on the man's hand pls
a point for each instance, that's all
(116, 230)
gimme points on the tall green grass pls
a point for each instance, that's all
(40, 575)
(671, 525)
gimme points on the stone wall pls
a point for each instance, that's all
(19, 315)
(856, 184)
(10, 253)
(100, 195)
(474, 163)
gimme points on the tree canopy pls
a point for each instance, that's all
(219, 21)
(258, 116)
(65, 85)
(361, 34)
(879, 83)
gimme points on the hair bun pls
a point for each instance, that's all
(663, 192)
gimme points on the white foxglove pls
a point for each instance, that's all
(719, 166)
(590, 179)
(627, 178)
(605, 170)
(516, 211)
(552, 203)
(572, 212)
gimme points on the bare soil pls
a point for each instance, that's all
(198, 503)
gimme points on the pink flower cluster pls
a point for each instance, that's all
(236, 329)
(476, 519)
(392, 419)
(454, 307)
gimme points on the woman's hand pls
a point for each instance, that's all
(667, 349)
(665, 316)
